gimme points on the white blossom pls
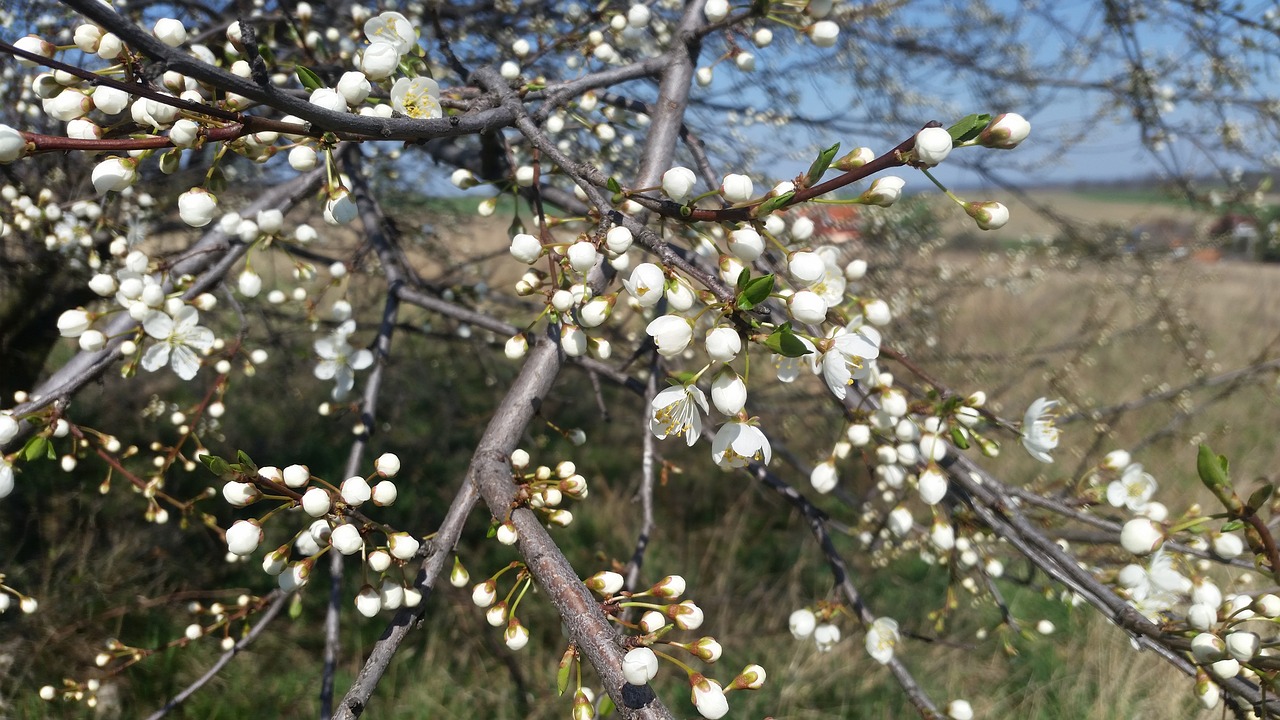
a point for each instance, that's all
(418, 98)
(339, 361)
(738, 443)
(882, 639)
(675, 412)
(1039, 436)
(179, 338)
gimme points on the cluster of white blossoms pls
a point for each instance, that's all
(170, 326)
(86, 108)
(544, 490)
(339, 525)
(658, 619)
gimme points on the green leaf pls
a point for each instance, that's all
(308, 78)
(244, 460)
(563, 672)
(613, 185)
(1232, 526)
(216, 465)
(821, 163)
(682, 378)
(969, 127)
(1212, 469)
(295, 607)
(743, 277)
(1260, 497)
(784, 342)
(36, 447)
(756, 291)
(959, 439)
(773, 203)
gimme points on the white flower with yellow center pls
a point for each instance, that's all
(180, 338)
(675, 412)
(417, 98)
(738, 443)
(1133, 489)
(392, 28)
(882, 639)
(1039, 436)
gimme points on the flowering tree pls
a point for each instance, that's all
(648, 267)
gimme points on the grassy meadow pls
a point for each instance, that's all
(1017, 323)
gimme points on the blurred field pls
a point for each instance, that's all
(1018, 324)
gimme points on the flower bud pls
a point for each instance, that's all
(170, 32)
(639, 665)
(463, 179)
(686, 615)
(728, 392)
(484, 594)
(807, 307)
(736, 188)
(197, 206)
(652, 621)
(932, 486)
(387, 464)
(1242, 646)
(746, 244)
(275, 562)
(316, 502)
(1226, 669)
(989, 215)
(402, 545)
(385, 493)
(959, 710)
(707, 649)
(723, 344)
(379, 61)
(239, 494)
(582, 256)
(1005, 132)
(1207, 691)
(824, 33)
(114, 174)
(35, 45)
(243, 537)
(1203, 617)
(340, 208)
(708, 697)
(526, 248)
(303, 158)
(355, 491)
(1207, 648)
(354, 87)
(678, 182)
(1227, 546)
(516, 636)
(507, 534)
(346, 539)
(74, 323)
(1141, 536)
(806, 267)
(605, 583)
(618, 240)
(669, 587)
(932, 146)
(516, 347)
(368, 601)
(884, 191)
